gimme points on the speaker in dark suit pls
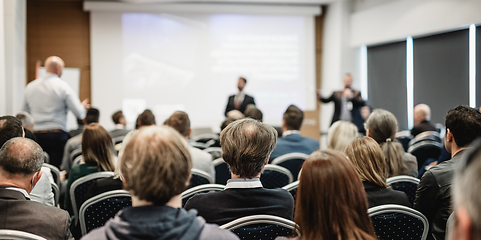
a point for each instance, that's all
(240, 100)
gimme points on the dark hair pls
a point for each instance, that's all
(247, 145)
(226, 122)
(331, 201)
(243, 78)
(93, 116)
(117, 116)
(180, 122)
(97, 147)
(146, 118)
(253, 112)
(293, 118)
(464, 123)
(10, 127)
(21, 156)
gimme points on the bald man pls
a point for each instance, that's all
(422, 115)
(48, 100)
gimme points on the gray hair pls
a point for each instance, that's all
(26, 119)
(247, 145)
(382, 125)
(21, 156)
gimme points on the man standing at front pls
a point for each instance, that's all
(240, 100)
(246, 147)
(48, 100)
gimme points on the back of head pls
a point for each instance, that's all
(10, 127)
(253, 112)
(382, 125)
(97, 147)
(422, 112)
(26, 119)
(180, 122)
(156, 154)
(54, 64)
(20, 157)
(293, 118)
(93, 116)
(247, 145)
(146, 118)
(226, 122)
(465, 124)
(368, 160)
(394, 154)
(340, 134)
(331, 203)
(117, 116)
(466, 192)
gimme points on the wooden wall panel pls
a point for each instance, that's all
(59, 28)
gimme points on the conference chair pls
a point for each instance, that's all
(222, 173)
(215, 152)
(199, 177)
(423, 150)
(426, 136)
(292, 161)
(398, 222)
(292, 189)
(96, 211)
(204, 188)
(79, 188)
(56, 193)
(262, 227)
(117, 140)
(77, 161)
(275, 176)
(404, 183)
(46, 157)
(404, 137)
(204, 137)
(75, 153)
(18, 235)
(55, 172)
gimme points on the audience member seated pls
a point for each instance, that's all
(253, 112)
(27, 123)
(291, 140)
(246, 146)
(157, 155)
(146, 118)
(340, 134)
(73, 143)
(365, 113)
(11, 127)
(382, 127)
(433, 197)
(98, 155)
(200, 160)
(368, 160)
(330, 201)
(119, 119)
(422, 115)
(21, 160)
(467, 204)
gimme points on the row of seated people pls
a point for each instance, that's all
(232, 145)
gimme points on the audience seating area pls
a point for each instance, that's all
(263, 227)
(18, 235)
(406, 184)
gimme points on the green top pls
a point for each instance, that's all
(75, 173)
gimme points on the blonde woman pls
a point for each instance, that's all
(368, 160)
(340, 134)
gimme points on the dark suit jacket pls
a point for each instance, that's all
(423, 127)
(231, 104)
(230, 204)
(377, 195)
(294, 143)
(357, 102)
(19, 213)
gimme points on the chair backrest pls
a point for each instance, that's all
(46, 157)
(292, 161)
(55, 172)
(398, 222)
(95, 211)
(56, 193)
(79, 188)
(215, 152)
(117, 140)
(426, 136)
(204, 138)
(78, 160)
(275, 176)
(222, 173)
(204, 188)
(200, 177)
(404, 137)
(19, 235)
(263, 227)
(75, 153)
(406, 184)
(292, 188)
(424, 150)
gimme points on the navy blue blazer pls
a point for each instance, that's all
(294, 143)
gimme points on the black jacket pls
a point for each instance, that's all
(433, 197)
(357, 102)
(423, 127)
(231, 104)
(377, 195)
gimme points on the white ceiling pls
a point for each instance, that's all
(276, 2)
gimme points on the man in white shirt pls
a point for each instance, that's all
(48, 100)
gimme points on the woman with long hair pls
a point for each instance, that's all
(330, 201)
(340, 134)
(382, 127)
(368, 160)
(97, 155)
